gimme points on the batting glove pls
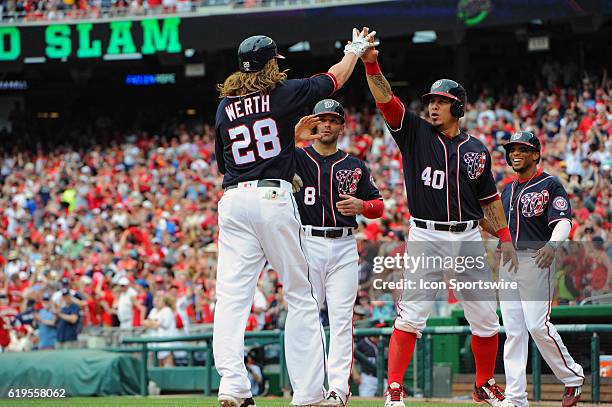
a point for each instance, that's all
(296, 183)
(360, 43)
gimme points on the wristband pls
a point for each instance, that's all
(372, 68)
(504, 234)
(373, 209)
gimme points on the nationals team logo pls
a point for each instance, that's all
(348, 180)
(560, 203)
(534, 203)
(475, 163)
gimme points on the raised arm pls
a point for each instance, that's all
(378, 84)
(361, 42)
(389, 105)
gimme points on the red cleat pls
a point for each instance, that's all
(571, 397)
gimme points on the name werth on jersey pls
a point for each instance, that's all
(247, 106)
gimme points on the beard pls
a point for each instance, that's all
(328, 140)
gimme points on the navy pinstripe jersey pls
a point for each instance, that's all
(325, 178)
(447, 179)
(533, 207)
(255, 137)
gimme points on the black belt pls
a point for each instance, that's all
(445, 227)
(270, 183)
(330, 233)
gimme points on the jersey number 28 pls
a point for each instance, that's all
(267, 146)
(436, 181)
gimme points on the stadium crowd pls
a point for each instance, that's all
(124, 234)
(39, 10)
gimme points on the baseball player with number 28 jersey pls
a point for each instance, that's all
(336, 188)
(539, 216)
(258, 216)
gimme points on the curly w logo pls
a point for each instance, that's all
(475, 163)
(534, 203)
(348, 180)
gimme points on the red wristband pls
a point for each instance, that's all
(504, 234)
(372, 68)
(373, 209)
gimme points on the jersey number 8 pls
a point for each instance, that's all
(309, 195)
(268, 144)
(436, 182)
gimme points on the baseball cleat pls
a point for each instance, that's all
(327, 402)
(571, 396)
(333, 399)
(491, 394)
(395, 395)
(226, 400)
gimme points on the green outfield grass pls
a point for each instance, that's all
(198, 402)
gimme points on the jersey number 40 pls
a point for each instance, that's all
(267, 142)
(436, 181)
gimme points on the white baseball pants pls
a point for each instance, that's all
(415, 304)
(255, 225)
(336, 278)
(527, 310)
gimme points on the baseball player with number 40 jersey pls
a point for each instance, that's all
(336, 188)
(450, 188)
(539, 216)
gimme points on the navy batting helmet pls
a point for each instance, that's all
(452, 90)
(525, 138)
(255, 52)
(329, 106)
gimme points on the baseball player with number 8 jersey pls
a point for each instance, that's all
(539, 216)
(258, 216)
(336, 188)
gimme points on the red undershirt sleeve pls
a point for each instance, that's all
(373, 209)
(393, 112)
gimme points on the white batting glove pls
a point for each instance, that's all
(296, 183)
(360, 43)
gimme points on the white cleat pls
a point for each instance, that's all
(395, 395)
(225, 400)
(491, 394)
(331, 400)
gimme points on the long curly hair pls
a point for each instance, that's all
(242, 83)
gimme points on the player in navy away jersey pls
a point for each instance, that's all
(539, 215)
(258, 216)
(536, 203)
(450, 188)
(336, 187)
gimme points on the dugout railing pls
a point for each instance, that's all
(145, 345)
